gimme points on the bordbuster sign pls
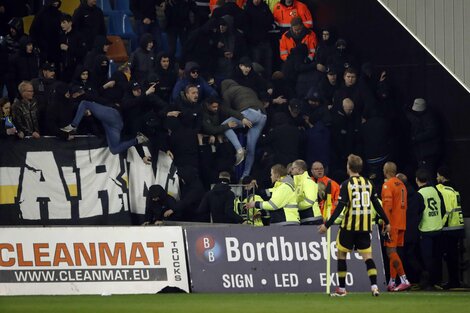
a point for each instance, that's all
(91, 260)
(271, 259)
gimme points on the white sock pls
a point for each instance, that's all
(404, 280)
(391, 282)
(373, 287)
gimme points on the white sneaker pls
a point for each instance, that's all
(141, 138)
(239, 156)
(68, 129)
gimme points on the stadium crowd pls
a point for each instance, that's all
(237, 91)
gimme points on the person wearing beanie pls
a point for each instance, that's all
(426, 135)
(219, 202)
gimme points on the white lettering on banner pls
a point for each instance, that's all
(91, 260)
(286, 280)
(99, 184)
(100, 168)
(140, 176)
(78, 254)
(237, 280)
(278, 249)
(41, 172)
(334, 279)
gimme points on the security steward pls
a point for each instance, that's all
(307, 195)
(283, 202)
(453, 231)
(433, 210)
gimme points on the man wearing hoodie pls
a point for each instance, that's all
(243, 103)
(219, 202)
(142, 60)
(45, 31)
(191, 76)
(160, 206)
(89, 21)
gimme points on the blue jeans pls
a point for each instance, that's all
(112, 124)
(258, 119)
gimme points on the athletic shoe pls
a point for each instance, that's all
(402, 287)
(339, 293)
(68, 129)
(141, 138)
(375, 292)
(239, 156)
(391, 287)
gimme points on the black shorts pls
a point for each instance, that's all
(348, 240)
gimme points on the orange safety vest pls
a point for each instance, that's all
(213, 4)
(283, 15)
(287, 43)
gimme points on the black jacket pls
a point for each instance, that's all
(154, 210)
(260, 21)
(89, 22)
(219, 203)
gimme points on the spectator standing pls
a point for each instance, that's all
(25, 111)
(89, 22)
(142, 60)
(426, 138)
(260, 21)
(45, 31)
(219, 202)
(72, 49)
(146, 20)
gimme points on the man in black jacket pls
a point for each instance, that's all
(89, 21)
(219, 202)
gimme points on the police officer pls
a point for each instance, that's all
(453, 227)
(283, 202)
(433, 210)
(307, 195)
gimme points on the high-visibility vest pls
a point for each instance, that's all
(283, 203)
(307, 198)
(287, 43)
(432, 219)
(453, 219)
(284, 14)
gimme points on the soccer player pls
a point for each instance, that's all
(355, 198)
(394, 203)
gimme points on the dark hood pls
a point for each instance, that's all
(17, 24)
(157, 191)
(159, 57)
(189, 67)
(24, 41)
(145, 40)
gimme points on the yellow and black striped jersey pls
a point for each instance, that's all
(356, 201)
